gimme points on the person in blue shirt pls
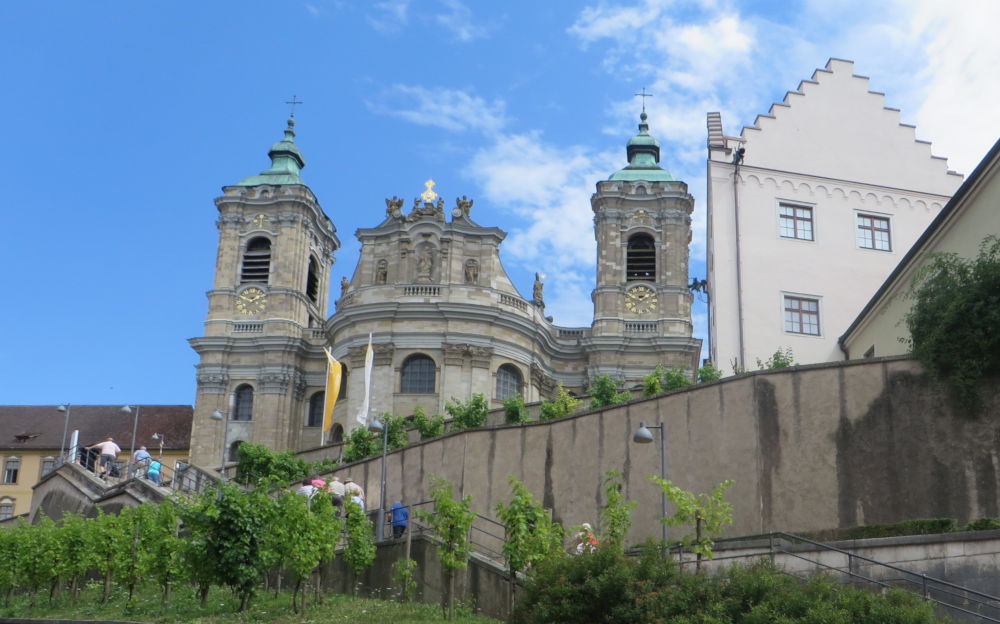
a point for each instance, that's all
(153, 472)
(400, 520)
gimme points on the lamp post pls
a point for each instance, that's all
(377, 426)
(220, 415)
(161, 438)
(66, 409)
(135, 426)
(643, 435)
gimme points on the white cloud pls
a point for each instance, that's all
(959, 112)
(459, 21)
(450, 109)
(390, 17)
(549, 187)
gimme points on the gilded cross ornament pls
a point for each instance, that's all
(260, 221)
(429, 195)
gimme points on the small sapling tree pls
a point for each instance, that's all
(451, 520)
(530, 533)
(616, 514)
(706, 513)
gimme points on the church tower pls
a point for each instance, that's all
(642, 304)
(262, 364)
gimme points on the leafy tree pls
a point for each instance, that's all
(514, 410)
(77, 546)
(362, 444)
(110, 540)
(530, 533)
(664, 379)
(563, 405)
(708, 373)
(429, 427)
(708, 513)
(954, 323)
(199, 562)
(403, 575)
(616, 514)
(605, 392)
(451, 521)
(37, 546)
(469, 414)
(160, 545)
(234, 540)
(782, 358)
(10, 546)
(398, 437)
(360, 550)
(258, 464)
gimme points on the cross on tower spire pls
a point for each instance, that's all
(644, 95)
(295, 103)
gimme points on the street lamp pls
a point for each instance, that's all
(162, 439)
(377, 426)
(66, 409)
(135, 425)
(220, 415)
(643, 435)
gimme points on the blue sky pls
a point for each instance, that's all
(123, 120)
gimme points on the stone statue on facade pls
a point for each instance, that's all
(464, 204)
(381, 272)
(344, 285)
(425, 264)
(539, 299)
(394, 207)
(471, 272)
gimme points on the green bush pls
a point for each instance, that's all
(604, 392)
(983, 524)
(607, 587)
(954, 323)
(563, 405)
(782, 358)
(469, 414)
(514, 411)
(361, 444)
(708, 373)
(429, 427)
(919, 526)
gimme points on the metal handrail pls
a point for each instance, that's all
(948, 595)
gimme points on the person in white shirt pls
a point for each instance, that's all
(109, 453)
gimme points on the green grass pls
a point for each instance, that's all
(221, 609)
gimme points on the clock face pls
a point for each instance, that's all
(640, 300)
(251, 301)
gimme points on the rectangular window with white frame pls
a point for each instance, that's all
(6, 509)
(795, 221)
(873, 232)
(801, 315)
(11, 468)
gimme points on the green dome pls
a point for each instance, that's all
(286, 162)
(643, 158)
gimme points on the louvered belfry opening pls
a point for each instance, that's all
(640, 263)
(256, 261)
(312, 281)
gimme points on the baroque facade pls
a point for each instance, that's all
(445, 320)
(808, 211)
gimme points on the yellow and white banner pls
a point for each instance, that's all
(334, 371)
(362, 417)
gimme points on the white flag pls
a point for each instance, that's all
(369, 361)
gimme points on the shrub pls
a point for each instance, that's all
(782, 358)
(954, 323)
(514, 410)
(708, 373)
(983, 524)
(361, 444)
(604, 392)
(430, 427)
(469, 414)
(563, 405)
(608, 587)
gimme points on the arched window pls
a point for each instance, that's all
(312, 281)
(6, 508)
(417, 375)
(509, 381)
(640, 264)
(243, 403)
(256, 261)
(315, 416)
(234, 451)
(336, 434)
(343, 382)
